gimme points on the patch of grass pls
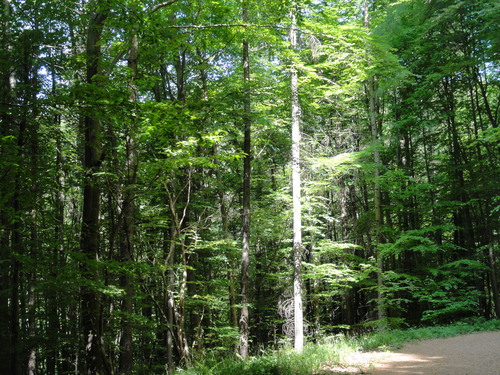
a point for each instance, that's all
(331, 350)
(285, 361)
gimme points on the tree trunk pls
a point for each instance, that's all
(128, 218)
(17, 245)
(296, 186)
(245, 254)
(8, 268)
(233, 311)
(179, 219)
(168, 302)
(493, 278)
(382, 313)
(30, 81)
(492, 117)
(381, 309)
(53, 297)
(91, 302)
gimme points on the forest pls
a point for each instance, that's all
(213, 178)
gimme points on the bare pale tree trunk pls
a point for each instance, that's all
(296, 192)
(168, 299)
(177, 311)
(245, 254)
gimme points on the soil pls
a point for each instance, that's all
(473, 354)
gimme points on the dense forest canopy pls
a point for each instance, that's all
(192, 177)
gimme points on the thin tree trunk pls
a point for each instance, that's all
(34, 254)
(30, 80)
(5, 348)
(427, 157)
(14, 311)
(381, 309)
(179, 309)
(128, 217)
(382, 313)
(18, 246)
(5, 222)
(493, 277)
(11, 240)
(483, 88)
(245, 254)
(296, 186)
(168, 302)
(233, 311)
(91, 301)
(53, 297)
(485, 222)
(5, 343)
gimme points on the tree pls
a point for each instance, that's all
(374, 126)
(247, 169)
(127, 240)
(296, 192)
(97, 362)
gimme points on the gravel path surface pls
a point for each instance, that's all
(473, 354)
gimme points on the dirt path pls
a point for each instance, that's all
(473, 354)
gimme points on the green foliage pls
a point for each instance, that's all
(340, 164)
(450, 290)
(284, 361)
(396, 338)
(434, 68)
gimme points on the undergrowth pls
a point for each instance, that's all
(331, 350)
(396, 338)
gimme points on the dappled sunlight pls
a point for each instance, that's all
(405, 363)
(381, 362)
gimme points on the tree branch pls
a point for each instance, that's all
(225, 25)
(163, 5)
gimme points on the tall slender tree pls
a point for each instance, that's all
(247, 170)
(127, 240)
(296, 190)
(92, 323)
(374, 127)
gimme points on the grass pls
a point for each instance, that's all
(331, 350)
(396, 338)
(284, 361)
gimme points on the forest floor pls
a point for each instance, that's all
(471, 354)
